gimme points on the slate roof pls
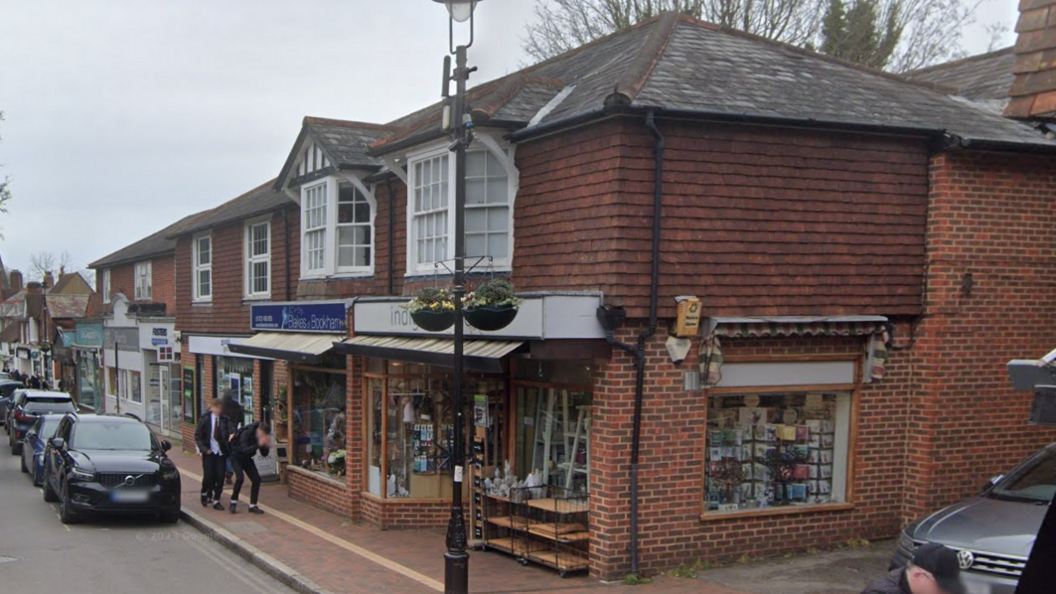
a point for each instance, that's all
(986, 77)
(258, 201)
(687, 67)
(346, 143)
(11, 333)
(151, 246)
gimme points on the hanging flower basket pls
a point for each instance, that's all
(433, 309)
(433, 321)
(493, 306)
(490, 318)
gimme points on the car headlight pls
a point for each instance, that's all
(170, 474)
(82, 475)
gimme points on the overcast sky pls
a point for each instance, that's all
(123, 116)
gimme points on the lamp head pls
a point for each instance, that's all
(460, 10)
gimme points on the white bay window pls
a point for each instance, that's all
(203, 268)
(488, 217)
(338, 228)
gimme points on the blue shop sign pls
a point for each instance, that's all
(300, 317)
(89, 335)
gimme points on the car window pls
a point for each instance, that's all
(1034, 481)
(112, 435)
(45, 429)
(48, 406)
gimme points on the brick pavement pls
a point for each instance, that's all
(346, 558)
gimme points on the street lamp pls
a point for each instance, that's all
(456, 559)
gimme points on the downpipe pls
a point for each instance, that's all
(637, 350)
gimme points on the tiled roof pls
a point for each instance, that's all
(680, 65)
(11, 333)
(347, 144)
(67, 306)
(153, 245)
(986, 77)
(258, 201)
(1034, 92)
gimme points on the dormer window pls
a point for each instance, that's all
(337, 229)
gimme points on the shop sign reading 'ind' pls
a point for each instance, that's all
(307, 317)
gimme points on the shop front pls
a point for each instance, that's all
(87, 345)
(219, 369)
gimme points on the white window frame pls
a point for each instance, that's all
(144, 282)
(105, 289)
(368, 195)
(198, 268)
(329, 228)
(250, 259)
(414, 268)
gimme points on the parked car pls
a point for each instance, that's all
(29, 404)
(33, 446)
(7, 394)
(994, 532)
(107, 464)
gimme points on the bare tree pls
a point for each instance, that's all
(42, 262)
(930, 29)
(5, 185)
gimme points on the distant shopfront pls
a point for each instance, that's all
(87, 348)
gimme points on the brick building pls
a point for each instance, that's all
(128, 354)
(856, 242)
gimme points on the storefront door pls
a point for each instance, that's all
(165, 399)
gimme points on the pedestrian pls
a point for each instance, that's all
(244, 446)
(233, 411)
(34, 382)
(934, 569)
(213, 439)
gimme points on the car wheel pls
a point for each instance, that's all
(49, 495)
(24, 469)
(37, 479)
(66, 513)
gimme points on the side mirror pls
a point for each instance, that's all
(31, 436)
(165, 445)
(58, 443)
(993, 481)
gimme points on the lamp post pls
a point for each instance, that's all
(456, 559)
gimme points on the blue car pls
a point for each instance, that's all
(42, 430)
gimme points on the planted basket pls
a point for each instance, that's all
(490, 318)
(433, 321)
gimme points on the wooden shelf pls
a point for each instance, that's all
(560, 506)
(549, 530)
(567, 562)
(512, 545)
(510, 522)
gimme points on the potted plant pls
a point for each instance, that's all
(336, 462)
(492, 306)
(433, 309)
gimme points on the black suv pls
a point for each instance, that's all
(106, 464)
(29, 404)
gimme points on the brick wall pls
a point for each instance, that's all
(228, 313)
(989, 299)
(162, 279)
(323, 492)
(755, 220)
(399, 514)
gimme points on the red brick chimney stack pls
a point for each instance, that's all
(1033, 94)
(15, 279)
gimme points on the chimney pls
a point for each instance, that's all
(15, 278)
(49, 280)
(33, 288)
(1033, 94)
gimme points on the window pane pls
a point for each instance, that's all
(476, 191)
(475, 163)
(476, 219)
(495, 168)
(497, 247)
(476, 245)
(362, 212)
(346, 213)
(498, 219)
(498, 191)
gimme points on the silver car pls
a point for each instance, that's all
(994, 532)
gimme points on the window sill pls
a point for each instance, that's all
(776, 511)
(201, 303)
(338, 276)
(321, 476)
(255, 298)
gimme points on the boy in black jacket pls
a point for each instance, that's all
(213, 438)
(244, 446)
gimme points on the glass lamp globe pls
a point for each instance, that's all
(460, 10)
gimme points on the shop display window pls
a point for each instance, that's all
(553, 437)
(770, 450)
(236, 375)
(318, 417)
(411, 427)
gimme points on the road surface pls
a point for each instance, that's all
(38, 554)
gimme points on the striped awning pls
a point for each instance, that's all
(289, 346)
(757, 327)
(479, 355)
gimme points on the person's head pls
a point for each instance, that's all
(263, 435)
(216, 406)
(934, 569)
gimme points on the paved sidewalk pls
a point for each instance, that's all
(322, 549)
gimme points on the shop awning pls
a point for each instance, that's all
(744, 327)
(289, 346)
(480, 355)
